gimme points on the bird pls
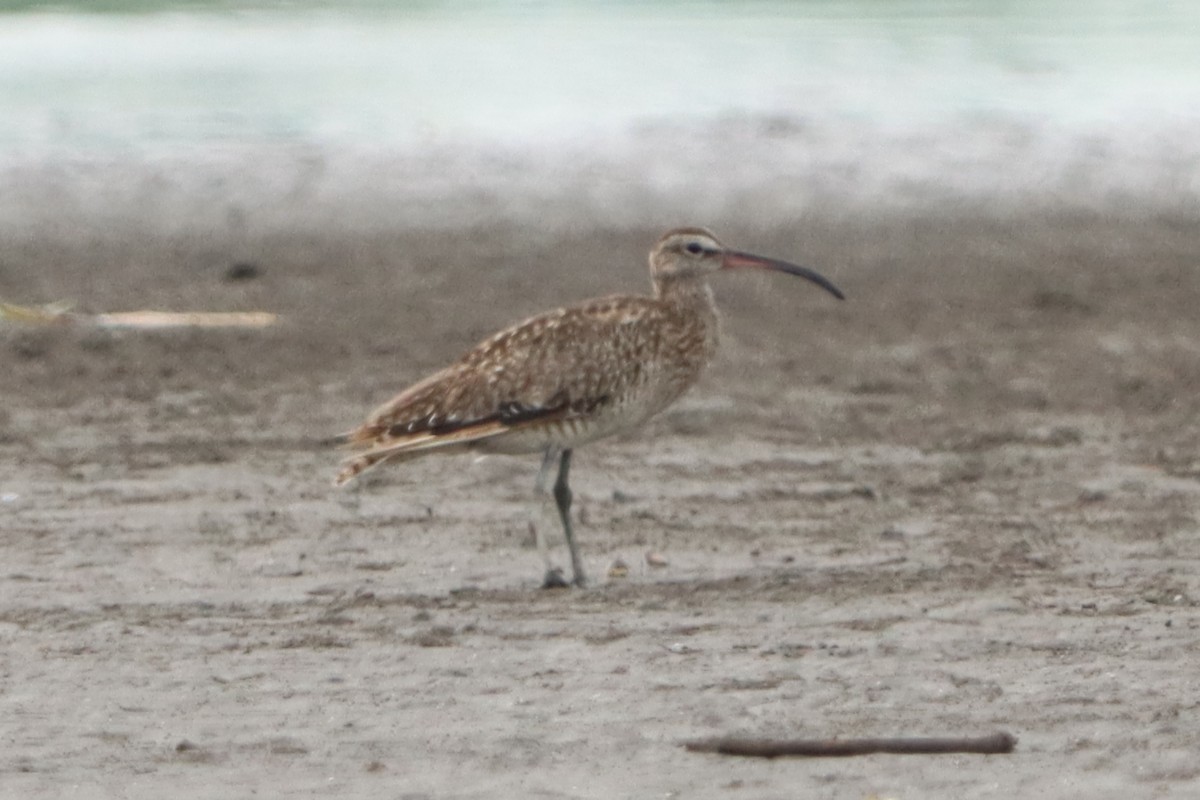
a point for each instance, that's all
(565, 378)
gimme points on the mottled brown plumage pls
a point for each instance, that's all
(570, 376)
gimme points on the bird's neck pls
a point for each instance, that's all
(685, 290)
(692, 299)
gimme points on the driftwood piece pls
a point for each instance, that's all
(825, 748)
(60, 314)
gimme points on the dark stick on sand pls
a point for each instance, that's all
(774, 748)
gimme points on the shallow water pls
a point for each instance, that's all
(693, 108)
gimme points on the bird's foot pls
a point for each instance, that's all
(554, 579)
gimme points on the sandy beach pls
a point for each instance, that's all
(965, 500)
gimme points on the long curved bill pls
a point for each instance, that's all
(738, 260)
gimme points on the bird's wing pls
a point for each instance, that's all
(550, 368)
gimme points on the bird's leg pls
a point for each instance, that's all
(553, 578)
(562, 496)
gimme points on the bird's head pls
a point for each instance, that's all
(695, 252)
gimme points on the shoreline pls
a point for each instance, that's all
(746, 171)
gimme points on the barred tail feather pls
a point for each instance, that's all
(415, 445)
(354, 467)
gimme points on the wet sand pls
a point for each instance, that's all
(965, 500)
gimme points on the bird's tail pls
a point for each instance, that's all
(413, 445)
(353, 467)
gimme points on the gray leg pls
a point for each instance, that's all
(562, 496)
(548, 458)
(553, 578)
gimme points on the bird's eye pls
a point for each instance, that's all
(694, 248)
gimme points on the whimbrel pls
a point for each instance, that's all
(570, 376)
